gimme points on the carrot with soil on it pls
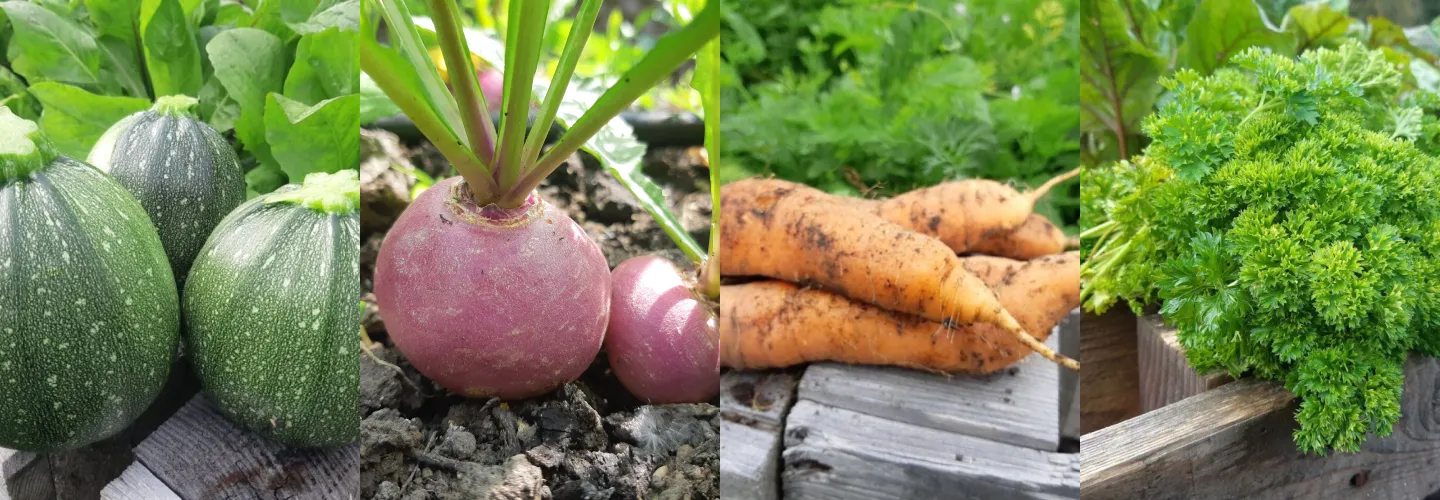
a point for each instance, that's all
(774, 324)
(1034, 238)
(784, 230)
(965, 213)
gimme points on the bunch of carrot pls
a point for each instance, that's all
(883, 282)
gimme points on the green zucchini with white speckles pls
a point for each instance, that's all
(184, 173)
(89, 315)
(271, 310)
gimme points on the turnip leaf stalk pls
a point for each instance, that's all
(707, 81)
(503, 167)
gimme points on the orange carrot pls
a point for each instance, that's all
(1036, 237)
(772, 324)
(789, 231)
(964, 213)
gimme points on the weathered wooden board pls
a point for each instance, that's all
(1235, 442)
(1070, 380)
(203, 456)
(1019, 405)
(749, 462)
(27, 476)
(1165, 375)
(753, 405)
(1109, 373)
(757, 398)
(137, 483)
(836, 454)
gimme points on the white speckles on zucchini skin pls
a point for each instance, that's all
(89, 317)
(183, 172)
(271, 310)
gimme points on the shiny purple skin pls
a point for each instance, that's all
(492, 86)
(492, 303)
(662, 343)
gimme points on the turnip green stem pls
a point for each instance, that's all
(527, 33)
(669, 52)
(473, 112)
(574, 46)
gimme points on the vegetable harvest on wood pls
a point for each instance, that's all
(484, 286)
(787, 231)
(1287, 217)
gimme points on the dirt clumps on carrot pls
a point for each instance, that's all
(1036, 237)
(965, 213)
(789, 231)
(770, 324)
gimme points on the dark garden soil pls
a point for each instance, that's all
(589, 440)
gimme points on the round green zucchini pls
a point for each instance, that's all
(89, 314)
(271, 309)
(184, 173)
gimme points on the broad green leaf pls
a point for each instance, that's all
(47, 47)
(1223, 28)
(120, 63)
(115, 18)
(249, 63)
(171, 54)
(74, 118)
(1121, 72)
(374, 104)
(263, 179)
(1387, 36)
(232, 13)
(319, 138)
(344, 15)
(269, 16)
(326, 65)
(216, 106)
(1315, 25)
(23, 105)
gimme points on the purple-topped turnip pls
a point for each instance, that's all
(483, 286)
(662, 343)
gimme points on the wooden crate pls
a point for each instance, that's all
(1209, 437)
(851, 432)
(182, 448)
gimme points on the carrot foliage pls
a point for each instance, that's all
(1287, 217)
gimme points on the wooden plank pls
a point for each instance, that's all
(137, 483)
(203, 456)
(27, 476)
(1165, 375)
(1235, 442)
(1109, 374)
(749, 462)
(1069, 332)
(757, 398)
(1019, 405)
(837, 454)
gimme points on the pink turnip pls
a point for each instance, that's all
(662, 342)
(492, 84)
(492, 302)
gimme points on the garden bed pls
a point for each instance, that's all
(591, 438)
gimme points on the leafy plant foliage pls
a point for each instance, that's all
(277, 76)
(1287, 215)
(853, 95)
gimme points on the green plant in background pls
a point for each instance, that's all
(1128, 46)
(1289, 224)
(869, 94)
(279, 76)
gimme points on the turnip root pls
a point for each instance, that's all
(491, 302)
(662, 343)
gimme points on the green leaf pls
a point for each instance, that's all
(1121, 72)
(374, 104)
(74, 118)
(234, 14)
(269, 16)
(263, 179)
(319, 138)
(344, 15)
(171, 54)
(1315, 25)
(47, 47)
(120, 63)
(250, 64)
(216, 106)
(115, 18)
(326, 65)
(1223, 28)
